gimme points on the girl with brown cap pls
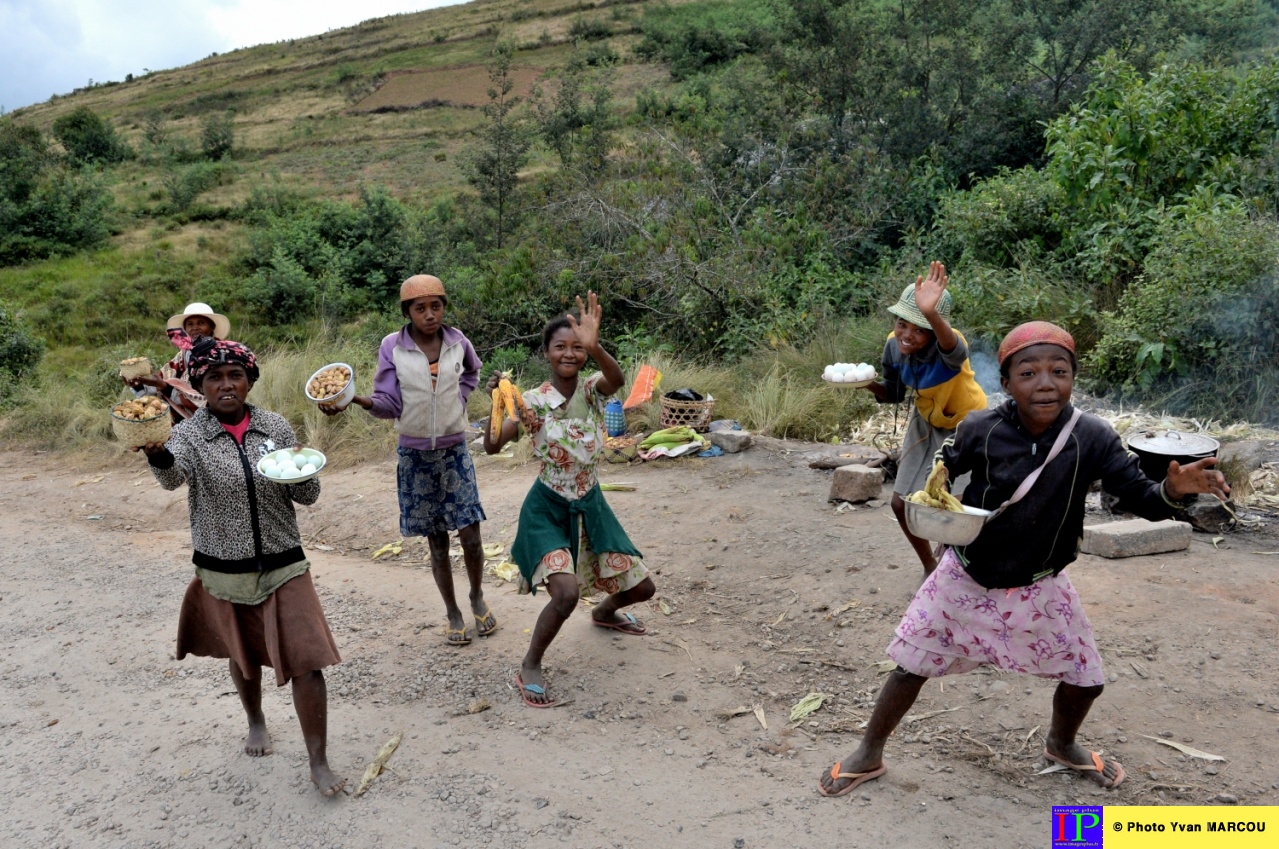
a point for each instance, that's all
(425, 373)
(1003, 599)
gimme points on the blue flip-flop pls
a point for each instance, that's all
(535, 689)
(626, 627)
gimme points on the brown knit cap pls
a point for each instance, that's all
(421, 286)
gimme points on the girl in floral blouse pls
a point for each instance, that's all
(568, 539)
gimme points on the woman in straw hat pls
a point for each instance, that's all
(197, 321)
(425, 373)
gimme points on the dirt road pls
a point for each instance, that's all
(765, 594)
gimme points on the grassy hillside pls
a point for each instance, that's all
(745, 182)
(302, 107)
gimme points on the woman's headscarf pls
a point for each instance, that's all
(209, 352)
(1034, 333)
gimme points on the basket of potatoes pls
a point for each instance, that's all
(135, 367)
(333, 385)
(141, 421)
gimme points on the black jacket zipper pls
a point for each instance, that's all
(253, 502)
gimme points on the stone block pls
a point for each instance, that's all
(730, 441)
(1135, 537)
(856, 483)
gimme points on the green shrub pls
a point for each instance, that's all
(20, 350)
(88, 138)
(1000, 221)
(217, 135)
(589, 29)
(1197, 328)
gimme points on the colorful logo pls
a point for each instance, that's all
(1078, 826)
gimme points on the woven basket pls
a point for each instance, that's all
(133, 371)
(695, 414)
(623, 450)
(134, 433)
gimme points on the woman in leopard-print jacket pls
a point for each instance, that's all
(252, 599)
(227, 496)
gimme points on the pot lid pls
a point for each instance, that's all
(1173, 443)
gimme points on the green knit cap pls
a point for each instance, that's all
(905, 308)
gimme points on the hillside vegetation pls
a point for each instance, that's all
(748, 184)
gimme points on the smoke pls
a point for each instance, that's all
(986, 367)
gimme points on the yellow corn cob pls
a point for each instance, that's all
(495, 418)
(508, 398)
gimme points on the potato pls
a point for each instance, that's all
(329, 382)
(141, 409)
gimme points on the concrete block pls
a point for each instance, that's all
(856, 483)
(731, 441)
(1135, 537)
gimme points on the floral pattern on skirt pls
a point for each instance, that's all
(438, 490)
(607, 572)
(954, 625)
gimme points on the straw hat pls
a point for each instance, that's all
(221, 324)
(421, 286)
(905, 308)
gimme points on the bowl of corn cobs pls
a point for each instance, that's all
(332, 386)
(934, 514)
(141, 421)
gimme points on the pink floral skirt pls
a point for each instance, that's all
(597, 571)
(954, 625)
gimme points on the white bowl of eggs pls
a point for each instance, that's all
(289, 466)
(850, 375)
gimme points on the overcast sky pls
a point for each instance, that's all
(51, 47)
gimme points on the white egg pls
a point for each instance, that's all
(267, 466)
(289, 474)
(281, 455)
(828, 373)
(308, 469)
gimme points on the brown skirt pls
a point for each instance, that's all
(287, 632)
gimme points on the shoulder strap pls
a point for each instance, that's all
(1034, 476)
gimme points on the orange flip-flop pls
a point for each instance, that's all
(1098, 765)
(859, 778)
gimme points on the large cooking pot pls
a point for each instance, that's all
(1155, 449)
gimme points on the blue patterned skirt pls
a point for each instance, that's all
(438, 491)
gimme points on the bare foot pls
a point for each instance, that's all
(1076, 756)
(324, 779)
(851, 765)
(258, 743)
(533, 686)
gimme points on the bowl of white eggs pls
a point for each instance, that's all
(849, 375)
(288, 466)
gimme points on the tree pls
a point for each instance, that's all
(493, 166)
(88, 138)
(833, 50)
(577, 121)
